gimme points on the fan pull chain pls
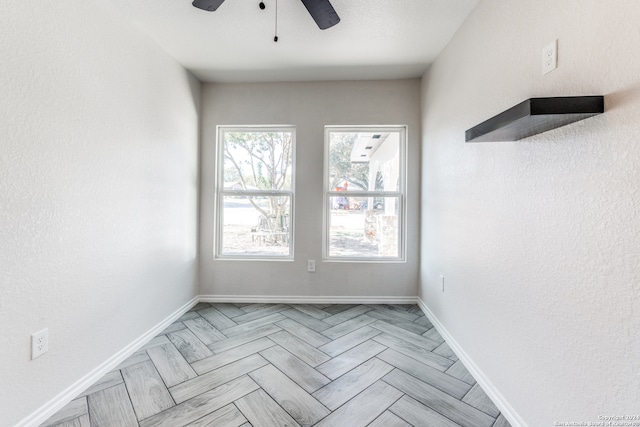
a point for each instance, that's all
(275, 38)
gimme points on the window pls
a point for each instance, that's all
(255, 192)
(364, 193)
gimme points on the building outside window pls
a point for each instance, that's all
(364, 193)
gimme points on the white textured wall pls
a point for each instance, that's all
(539, 240)
(309, 106)
(98, 191)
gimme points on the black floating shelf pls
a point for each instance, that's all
(534, 116)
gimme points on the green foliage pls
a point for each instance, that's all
(262, 161)
(341, 167)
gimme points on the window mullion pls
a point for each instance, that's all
(237, 193)
(364, 194)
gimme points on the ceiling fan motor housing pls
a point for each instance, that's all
(320, 10)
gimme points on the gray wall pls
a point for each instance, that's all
(538, 240)
(309, 106)
(98, 191)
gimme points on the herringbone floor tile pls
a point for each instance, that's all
(272, 365)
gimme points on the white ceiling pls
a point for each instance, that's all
(376, 39)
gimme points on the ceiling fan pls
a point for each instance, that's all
(320, 10)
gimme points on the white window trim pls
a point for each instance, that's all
(220, 193)
(402, 235)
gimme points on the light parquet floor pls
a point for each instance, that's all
(231, 365)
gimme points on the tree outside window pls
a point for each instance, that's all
(255, 192)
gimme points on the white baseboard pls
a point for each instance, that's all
(58, 402)
(505, 408)
(268, 299)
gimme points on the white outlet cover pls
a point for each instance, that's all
(311, 266)
(39, 343)
(442, 283)
(550, 57)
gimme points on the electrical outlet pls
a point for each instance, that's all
(442, 283)
(550, 57)
(39, 343)
(311, 266)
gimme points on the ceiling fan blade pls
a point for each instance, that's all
(322, 12)
(208, 5)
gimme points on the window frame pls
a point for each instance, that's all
(220, 193)
(400, 194)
